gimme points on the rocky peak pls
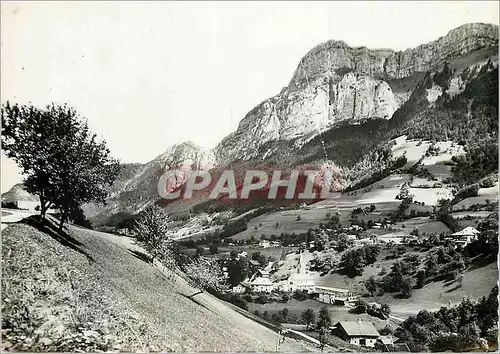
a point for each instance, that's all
(186, 153)
(334, 83)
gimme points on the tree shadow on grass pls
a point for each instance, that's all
(482, 261)
(195, 301)
(64, 238)
(453, 289)
(351, 273)
(141, 255)
(449, 282)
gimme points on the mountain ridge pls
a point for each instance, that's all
(306, 113)
(341, 83)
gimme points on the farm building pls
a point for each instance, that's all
(388, 344)
(464, 237)
(260, 282)
(331, 295)
(357, 332)
(254, 263)
(17, 197)
(264, 244)
(239, 289)
(261, 285)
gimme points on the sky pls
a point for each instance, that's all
(147, 75)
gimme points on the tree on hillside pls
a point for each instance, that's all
(371, 285)
(237, 270)
(206, 274)
(200, 251)
(407, 284)
(308, 316)
(63, 163)
(214, 249)
(324, 319)
(257, 256)
(151, 232)
(385, 309)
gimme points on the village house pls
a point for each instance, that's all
(337, 296)
(239, 289)
(388, 344)
(264, 244)
(464, 237)
(19, 198)
(263, 273)
(359, 332)
(356, 228)
(254, 263)
(260, 282)
(261, 285)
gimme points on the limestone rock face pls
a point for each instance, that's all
(335, 83)
(389, 64)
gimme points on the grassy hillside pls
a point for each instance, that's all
(92, 291)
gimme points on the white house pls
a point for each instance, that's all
(27, 204)
(264, 244)
(331, 295)
(359, 332)
(239, 289)
(261, 285)
(464, 237)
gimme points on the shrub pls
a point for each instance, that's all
(262, 299)
(488, 182)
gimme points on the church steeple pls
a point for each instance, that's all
(302, 265)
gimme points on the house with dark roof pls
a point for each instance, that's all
(359, 332)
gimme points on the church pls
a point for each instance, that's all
(302, 280)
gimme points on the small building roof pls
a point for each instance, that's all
(359, 328)
(386, 339)
(469, 230)
(299, 276)
(261, 281)
(338, 290)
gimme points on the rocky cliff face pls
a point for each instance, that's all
(334, 83)
(388, 64)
